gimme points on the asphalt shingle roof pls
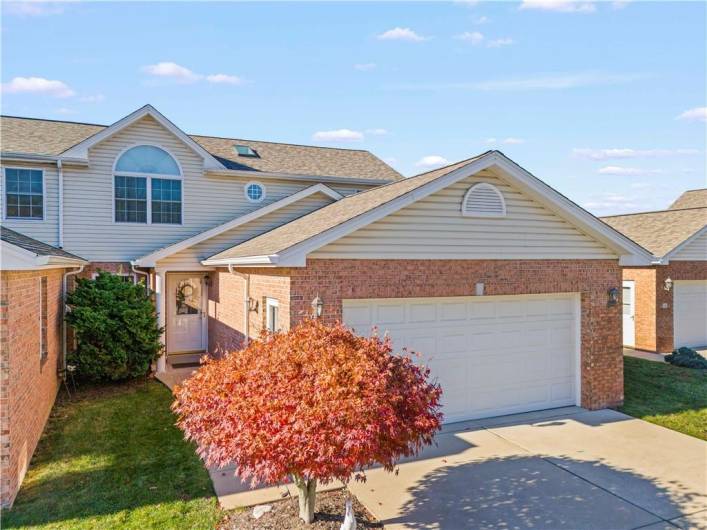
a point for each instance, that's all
(331, 216)
(659, 232)
(48, 137)
(691, 199)
(33, 245)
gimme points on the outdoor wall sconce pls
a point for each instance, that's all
(613, 296)
(668, 284)
(317, 307)
(252, 305)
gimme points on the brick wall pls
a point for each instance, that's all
(28, 384)
(601, 352)
(654, 306)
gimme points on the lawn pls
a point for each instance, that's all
(666, 395)
(112, 458)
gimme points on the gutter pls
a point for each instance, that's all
(246, 303)
(63, 322)
(60, 168)
(52, 159)
(293, 176)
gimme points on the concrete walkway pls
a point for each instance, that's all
(562, 469)
(647, 355)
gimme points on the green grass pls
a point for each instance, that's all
(112, 458)
(666, 395)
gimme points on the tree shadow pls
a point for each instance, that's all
(518, 492)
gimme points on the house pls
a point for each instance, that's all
(509, 290)
(665, 304)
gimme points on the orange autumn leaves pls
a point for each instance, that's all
(317, 401)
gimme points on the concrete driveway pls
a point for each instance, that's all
(562, 469)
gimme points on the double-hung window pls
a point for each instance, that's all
(148, 187)
(24, 193)
(272, 315)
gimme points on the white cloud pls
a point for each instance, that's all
(365, 67)
(404, 34)
(474, 37)
(491, 140)
(224, 79)
(511, 140)
(38, 85)
(65, 111)
(432, 161)
(610, 203)
(619, 4)
(696, 114)
(499, 43)
(32, 8)
(481, 20)
(377, 132)
(338, 135)
(94, 98)
(627, 171)
(561, 6)
(172, 70)
(623, 153)
(544, 82)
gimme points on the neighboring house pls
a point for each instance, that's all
(31, 329)
(665, 304)
(509, 290)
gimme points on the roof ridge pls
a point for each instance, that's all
(454, 163)
(654, 211)
(53, 121)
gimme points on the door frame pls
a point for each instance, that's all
(170, 277)
(631, 284)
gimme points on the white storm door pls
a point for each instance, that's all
(628, 300)
(690, 313)
(492, 355)
(185, 313)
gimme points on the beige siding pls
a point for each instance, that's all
(46, 230)
(90, 230)
(193, 255)
(434, 228)
(696, 250)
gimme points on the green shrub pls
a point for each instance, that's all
(115, 324)
(687, 357)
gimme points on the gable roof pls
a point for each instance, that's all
(662, 231)
(36, 252)
(289, 244)
(54, 138)
(690, 199)
(150, 260)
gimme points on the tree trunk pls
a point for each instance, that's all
(306, 490)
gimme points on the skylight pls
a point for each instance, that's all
(244, 150)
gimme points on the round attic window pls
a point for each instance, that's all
(254, 192)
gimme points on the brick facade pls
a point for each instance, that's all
(654, 305)
(335, 280)
(28, 383)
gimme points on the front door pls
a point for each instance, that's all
(629, 312)
(185, 309)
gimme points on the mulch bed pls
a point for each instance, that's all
(328, 514)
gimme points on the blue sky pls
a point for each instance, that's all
(605, 101)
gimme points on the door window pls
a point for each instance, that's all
(626, 300)
(188, 297)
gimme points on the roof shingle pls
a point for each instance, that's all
(48, 137)
(691, 199)
(33, 245)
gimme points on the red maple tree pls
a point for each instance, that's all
(314, 404)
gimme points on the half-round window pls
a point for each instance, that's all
(147, 159)
(484, 200)
(254, 192)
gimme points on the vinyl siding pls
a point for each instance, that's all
(696, 250)
(90, 230)
(433, 228)
(193, 255)
(46, 230)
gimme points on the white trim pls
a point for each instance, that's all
(479, 185)
(140, 173)
(80, 150)
(631, 285)
(40, 159)
(150, 260)
(13, 257)
(270, 303)
(4, 196)
(255, 183)
(248, 173)
(148, 190)
(630, 253)
(665, 260)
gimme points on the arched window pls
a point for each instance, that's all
(147, 159)
(147, 187)
(483, 200)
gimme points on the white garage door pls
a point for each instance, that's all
(690, 313)
(492, 355)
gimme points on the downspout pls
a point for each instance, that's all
(60, 169)
(64, 333)
(246, 303)
(141, 273)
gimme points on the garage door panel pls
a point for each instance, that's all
(492, 355)
(690, 313)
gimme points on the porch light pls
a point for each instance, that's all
(613, 296)
(668, 284)
(317, 307)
